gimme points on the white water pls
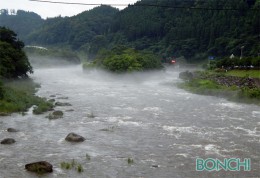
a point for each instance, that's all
(140, 116)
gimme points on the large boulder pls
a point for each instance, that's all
(72, 137)
(8, 141)
(55, 115)
(40, 167)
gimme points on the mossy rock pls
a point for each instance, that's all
(55, 115)
(72, 137)
(40, 167)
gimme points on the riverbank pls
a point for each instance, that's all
(19, 95)
(240, 88)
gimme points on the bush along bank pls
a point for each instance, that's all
(19, 95)
(241, 89)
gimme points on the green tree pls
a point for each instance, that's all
(13, 61)
(123, 59)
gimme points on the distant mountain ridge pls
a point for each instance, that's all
(21, 22)
(169, 28)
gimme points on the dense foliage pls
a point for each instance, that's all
(86, 30)
(194, 29)
(123, 59)
(13, 61)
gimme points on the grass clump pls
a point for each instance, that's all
(130, 161)
(72, 165)
(80, 168)
(42, 107)
(65, 165)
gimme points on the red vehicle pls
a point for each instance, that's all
(173, 61)
(169, 60)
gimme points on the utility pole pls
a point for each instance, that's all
(241, 53)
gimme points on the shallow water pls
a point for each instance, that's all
(140, 116)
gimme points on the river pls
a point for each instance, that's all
(145, 117)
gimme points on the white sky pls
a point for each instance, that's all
(52, 10)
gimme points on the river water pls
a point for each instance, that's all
(144, 117)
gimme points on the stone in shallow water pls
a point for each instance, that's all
(69, 110)
(63, 97)
(40, 167)
(51, 100)
(55, 115)
(72, 137)
(62, 104)
(8, 141)
(12, 130)
(4, 114)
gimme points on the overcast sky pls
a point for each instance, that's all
(52, 10)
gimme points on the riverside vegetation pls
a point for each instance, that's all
(123, 59)
(17, 90)
(239, 88)
(235, 78)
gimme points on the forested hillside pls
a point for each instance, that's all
(194, 29)
(190, 28)
(20, 21)
(79, 31)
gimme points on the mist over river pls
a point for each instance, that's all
(142, 116)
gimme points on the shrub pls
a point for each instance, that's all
(253, 93)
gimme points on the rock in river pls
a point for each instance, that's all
(55, 115)
(4, 114)
(12, 130)
(40, 167)
(63, 97)
(8, 141)
(62, 104)
(72, 137)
